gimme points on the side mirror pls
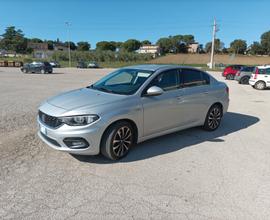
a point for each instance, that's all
(154, 91)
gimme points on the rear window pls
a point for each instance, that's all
(248, 69)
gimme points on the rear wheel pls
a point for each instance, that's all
(213, 118)
(117, 140)
(230, 77)
(260, 85)
(25, 71)
(244, 80)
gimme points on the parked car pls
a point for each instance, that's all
(129, 106)
(93, 65)
(55, 64)
(260, 79)
(243, 75)
(230, 71)
(37, 67)
(81, 65)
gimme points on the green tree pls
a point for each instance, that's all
(50, 44)
(35, 40)
(265, 42)
(165, 44)
(131, 45)
(146, 42)
(256, 48)
(13, 40)
(218, 46)
(238, 46)
(83, 46)
(188, 39)
(72, 45)
(106, 45)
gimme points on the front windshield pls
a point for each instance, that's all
(123, 81)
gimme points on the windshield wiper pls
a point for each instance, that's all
(105, 90)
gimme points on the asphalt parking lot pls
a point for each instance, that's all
(192, 174)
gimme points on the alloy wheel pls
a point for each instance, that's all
(122, 141)
(214, 118)
(260, 85)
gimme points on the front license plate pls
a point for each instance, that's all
(43, 130)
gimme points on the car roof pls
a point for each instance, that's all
(264, 66)
(155, 67)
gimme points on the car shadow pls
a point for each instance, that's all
(231, 122)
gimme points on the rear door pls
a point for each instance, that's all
(197, 96)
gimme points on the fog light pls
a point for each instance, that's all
(76, 143)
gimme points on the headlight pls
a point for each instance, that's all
(79, 120)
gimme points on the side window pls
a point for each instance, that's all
(167, 80)
(192, 78)
(267, 71)
(206, 78)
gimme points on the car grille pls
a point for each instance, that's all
(48, 120)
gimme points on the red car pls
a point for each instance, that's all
(230, 71)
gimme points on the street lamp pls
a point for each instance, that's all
(68, 35)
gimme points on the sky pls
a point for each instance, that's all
(119, 20)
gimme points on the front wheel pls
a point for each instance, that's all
(117, 140)
(42, 71)
(213, 118)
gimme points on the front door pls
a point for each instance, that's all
(162, 112)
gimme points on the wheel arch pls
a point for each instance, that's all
(131, 122)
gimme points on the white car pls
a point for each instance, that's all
(260, 79)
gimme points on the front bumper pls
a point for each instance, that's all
(55, 137)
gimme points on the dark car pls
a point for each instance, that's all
(37, 67)
(230, 71)
(243, 75)
(81, 64)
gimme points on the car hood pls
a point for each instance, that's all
(83, 97)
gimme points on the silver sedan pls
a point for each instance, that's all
(129, 106)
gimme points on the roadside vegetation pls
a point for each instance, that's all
(173, 49)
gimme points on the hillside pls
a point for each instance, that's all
(205, 58)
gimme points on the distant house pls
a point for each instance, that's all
(7, 53)
(194, 48)
(60, 47)
(39, 49)
(37, 46)
(149, 49)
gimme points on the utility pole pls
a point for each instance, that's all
(68, 33)
(213, 44)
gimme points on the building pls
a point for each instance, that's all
(149, 49)
(37, 46)
(193, 48)
(60, 47)
(39, 49)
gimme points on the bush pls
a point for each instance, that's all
(101, 56)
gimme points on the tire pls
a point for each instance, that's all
(260, 85)
(24, 71)
(42, 71)
(117, 140)
(230, 77)
(244, 80)
(50, 71)
(213, 118)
